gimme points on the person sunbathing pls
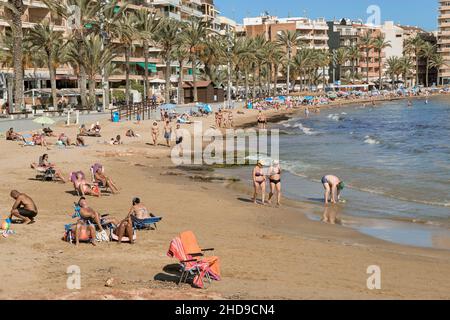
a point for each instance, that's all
(64, 140)
(14, 136)
(89, 215)
(48, 132)
(130, 133)
(80, 141)
(88, 133)
(100, 177)
(44, 165)
(83, 230)
(125, 229)
(39, 140)
(116, 141)
(24, 207)
(139, 211)
(85, 188)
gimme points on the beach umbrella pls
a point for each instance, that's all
(44, 121)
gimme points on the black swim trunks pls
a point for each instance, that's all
(179, 140)
(27, 213)
(324, 180)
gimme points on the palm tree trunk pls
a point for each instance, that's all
(146, 82)
(18, 54)
(367, 65)
(168, 84)
(277, 71)
(194, 76)
(380, 87)
(427, 72)
(246, 83)
(417, 68)
(92, 97)
(288, 71)
(52, 72)
(180, 84)
(82, 84)
(127, 75)
(106, 84)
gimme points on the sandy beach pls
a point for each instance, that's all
(265, 252)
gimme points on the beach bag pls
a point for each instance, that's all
(102, 236)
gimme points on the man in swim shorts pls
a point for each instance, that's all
(333, 187)
(24, 207)
(167, 132)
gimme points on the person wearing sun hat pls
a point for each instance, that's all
(333, 187)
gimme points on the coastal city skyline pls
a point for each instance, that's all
(401, 12)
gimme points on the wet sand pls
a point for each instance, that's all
(266, 252)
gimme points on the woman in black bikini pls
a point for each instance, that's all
(275, 181)
(259, 182)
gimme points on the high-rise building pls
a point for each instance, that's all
(444, 40)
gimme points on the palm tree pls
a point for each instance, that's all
(14, 12)
(88, 12)
(247, 57)
(300, 64)
(366, 43)
(167, 39)
(179, 54)
(428, 52)
(393, 69)
(405, 67)
(354, 54)
(342, 57)
(379, 44)
(437, 61)
(43, 37)
(195, 34)
(414, 46)
(147, 26)
(289, 40)
(93, 59)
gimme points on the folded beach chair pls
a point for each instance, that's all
(193, 263)
(145, 224)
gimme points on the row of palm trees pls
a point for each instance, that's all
(107, 30)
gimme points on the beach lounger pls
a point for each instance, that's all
(193, 262)
(28, 140)
(145, 224)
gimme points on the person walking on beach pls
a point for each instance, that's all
(333, 187)
(155, 132)
(179, 139)
(259, 182)
(275, 181)
(167, 132)
(24, 207)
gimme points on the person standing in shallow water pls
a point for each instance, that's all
(333, 187)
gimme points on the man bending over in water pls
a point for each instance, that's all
(24, 207)
(333, 187)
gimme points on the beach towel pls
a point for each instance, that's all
(192, 250)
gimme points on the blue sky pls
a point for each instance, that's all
(421, 13)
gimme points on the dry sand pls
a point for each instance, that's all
(266, 252)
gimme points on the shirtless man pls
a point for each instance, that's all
(333, 187)
(13, 136)
(167, 132)
(24, 207)
(155, 132)
(83, 187)
(179, 138)
(89, 214)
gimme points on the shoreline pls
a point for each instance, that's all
(319, 261)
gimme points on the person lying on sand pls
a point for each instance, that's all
(85, 188)
(44, 165)
(14, 136)
(24, 207)
(131, 134)
(117, 141)
(333, 187)
(88, 133)
(100, 177)
(48, 132)
(80, 141)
